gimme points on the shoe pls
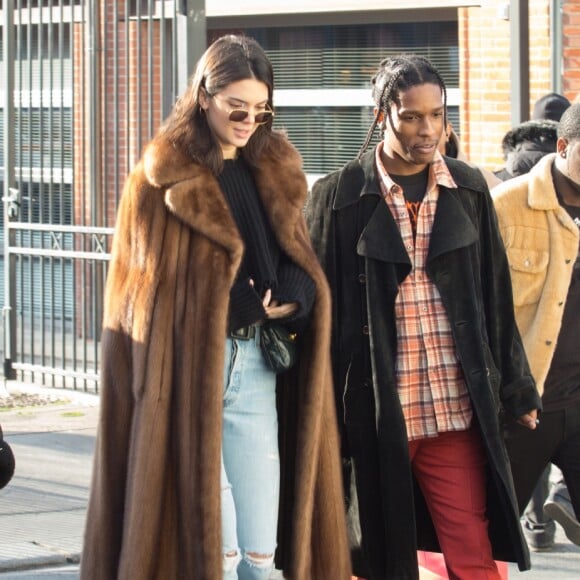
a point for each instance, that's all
(540, 537)
(560, 509)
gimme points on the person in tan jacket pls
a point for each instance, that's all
(539, 217)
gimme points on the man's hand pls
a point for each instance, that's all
(530, 419)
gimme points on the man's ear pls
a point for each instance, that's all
(380, 118)
(561, 146)
(448, 130)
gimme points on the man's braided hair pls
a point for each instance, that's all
(397, 74)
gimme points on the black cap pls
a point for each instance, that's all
(550, 106)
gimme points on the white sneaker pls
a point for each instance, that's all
(560, 509)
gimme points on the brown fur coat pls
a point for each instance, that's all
(154, 510)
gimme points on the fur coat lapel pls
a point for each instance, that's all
(194, 196)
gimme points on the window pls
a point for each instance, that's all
(323, 73)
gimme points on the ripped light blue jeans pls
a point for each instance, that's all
(250, 478)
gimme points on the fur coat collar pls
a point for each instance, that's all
(193, 193)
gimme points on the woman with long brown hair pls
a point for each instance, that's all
(196, 428)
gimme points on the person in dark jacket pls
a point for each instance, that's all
(425, 347)
(7, 462)
(524, 145)
(550, 106)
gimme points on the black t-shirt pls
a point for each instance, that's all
(414, 189)
(562, 387)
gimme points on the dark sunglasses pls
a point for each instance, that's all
(238, 115)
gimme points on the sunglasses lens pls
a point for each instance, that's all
(238, 115)
(263, 117)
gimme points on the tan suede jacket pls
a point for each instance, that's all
(541, 241)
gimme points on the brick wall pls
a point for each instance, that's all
(131, 91)
(128, 109)
(80, 124)
(131, 105)
(484, 47)
(571, 49)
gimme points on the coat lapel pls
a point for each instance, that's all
(452, 227)
(542, 194)
(381, 239)
(205, 210)
(192, 194)
(283, 189)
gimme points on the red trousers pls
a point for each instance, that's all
(450, 470)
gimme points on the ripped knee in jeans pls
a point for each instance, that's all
(259, 560)
(231, 560)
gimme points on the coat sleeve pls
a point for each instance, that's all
(321, 227)
(321, 222)
(319, 219)
(518, 391)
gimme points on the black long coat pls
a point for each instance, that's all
(360, 248)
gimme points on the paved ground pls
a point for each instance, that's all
(42, 510)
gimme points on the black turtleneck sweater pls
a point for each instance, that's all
(263, 262)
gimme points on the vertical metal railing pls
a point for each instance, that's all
(86, 85)
(9, 191)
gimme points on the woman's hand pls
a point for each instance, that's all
(276, 310)
(530, 419)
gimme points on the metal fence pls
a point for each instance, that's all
(85, 85)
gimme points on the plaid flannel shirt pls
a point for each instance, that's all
(430, 380)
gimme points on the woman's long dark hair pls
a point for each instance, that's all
(229, 59)
(397, 74)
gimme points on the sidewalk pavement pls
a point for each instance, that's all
(42, 510)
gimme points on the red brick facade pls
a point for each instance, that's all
(571, 34)
(131, 93)
(484, 48)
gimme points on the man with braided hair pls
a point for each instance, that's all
(425, 347)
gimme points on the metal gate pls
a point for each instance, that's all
(86, 83)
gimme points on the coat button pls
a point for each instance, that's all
(362, 278)
(568, 260)
(365, 329)
(548, 342)
(560, 303)
(527, 263)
